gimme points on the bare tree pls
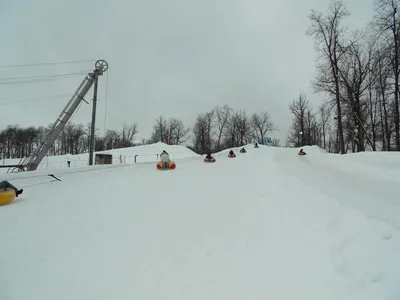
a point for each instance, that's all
(387, 25)
(111, 139)
(160, 130)
(261, 124)
(328, 34)
(238, 130)
(299, 109)
(202, 133)
(354, 72)
(209, 118)
(177, 131)
(382, 88)
(324, 115)
(307, 128)
(222, 115)
(127, 136)
(243, 127)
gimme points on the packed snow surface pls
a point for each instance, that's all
(268, 224)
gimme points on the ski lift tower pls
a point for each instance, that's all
(31, 163)
(101, 67)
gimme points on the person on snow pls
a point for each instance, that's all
(243, 150)
(6, 185)
(69, 160)
(231, 153)
(301, 152)
(164, 156)
(208, 156)
(256, 145)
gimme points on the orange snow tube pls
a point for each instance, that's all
(210, 160)
(6, 197)
(301, 154)
(232, 156)
(166, 166)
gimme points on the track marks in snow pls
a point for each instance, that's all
(362, 226)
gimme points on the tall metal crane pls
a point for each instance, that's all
(31, 163)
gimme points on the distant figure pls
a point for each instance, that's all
(256, 145)
(301, 152)
(231, 153)
(68, 160)
(243, 150)
(208, 156)
(6, 185)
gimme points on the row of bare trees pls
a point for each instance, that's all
(312, 127)
(358, 71)
(218, 129)
(17, 142)
(170, 131)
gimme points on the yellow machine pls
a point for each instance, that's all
(6, 197)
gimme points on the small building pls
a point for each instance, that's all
(103, 159)
(267, 141)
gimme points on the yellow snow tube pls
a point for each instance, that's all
(7, 196)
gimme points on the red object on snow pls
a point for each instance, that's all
(210, 160)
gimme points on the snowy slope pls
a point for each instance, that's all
(146, 153)
(368, 185)
(265, 225)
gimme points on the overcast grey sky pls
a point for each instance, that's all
(176, 57)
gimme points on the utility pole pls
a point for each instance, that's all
(101, 66)
(93, 125)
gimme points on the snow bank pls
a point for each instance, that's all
(266, 225)
(145, 153)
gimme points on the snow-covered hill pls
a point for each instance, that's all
(145, 153)
(265, 225)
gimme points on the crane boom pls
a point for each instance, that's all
(31, 163)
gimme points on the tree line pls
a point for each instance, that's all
(218, 129)
(18, 142)
(358, 72)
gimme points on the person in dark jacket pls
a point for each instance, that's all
(6, 185)
(208, 156)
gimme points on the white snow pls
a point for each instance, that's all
(266, 225)
(147, 153)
